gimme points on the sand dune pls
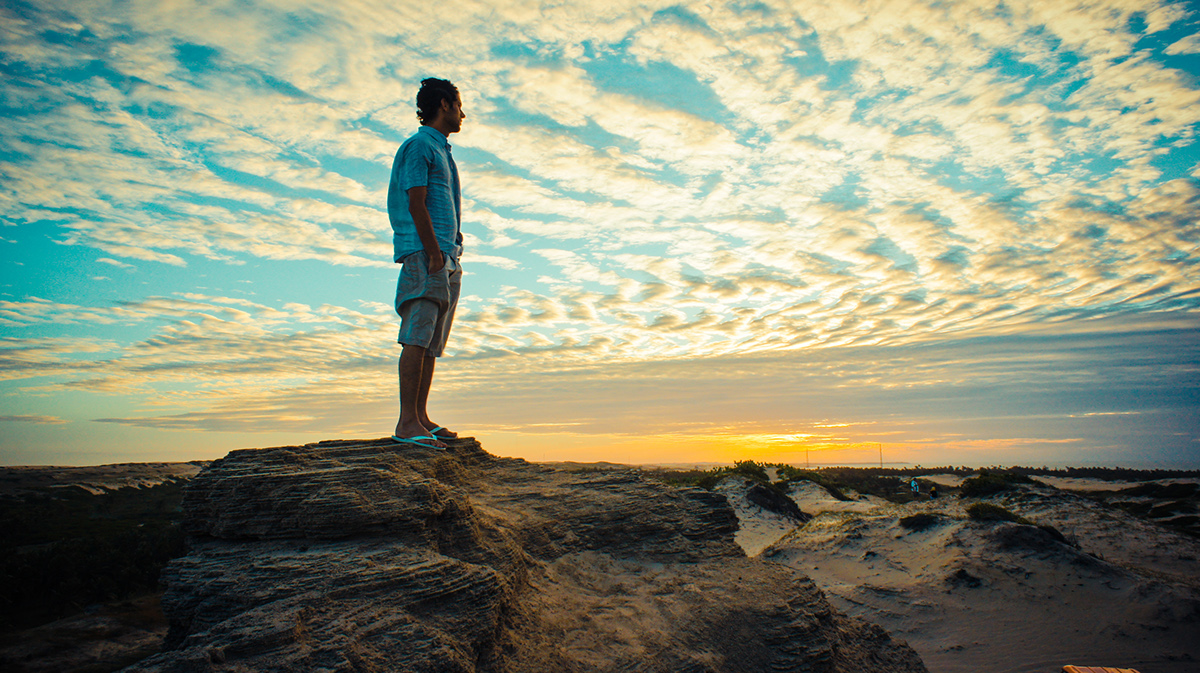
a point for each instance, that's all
(997, 596)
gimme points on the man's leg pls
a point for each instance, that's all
(423, 399)
(414, 392)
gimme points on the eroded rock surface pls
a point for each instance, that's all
(364, 556)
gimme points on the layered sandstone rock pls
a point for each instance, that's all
(368, 556)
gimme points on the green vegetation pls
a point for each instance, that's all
(61, 553)
(986, 511)
(1176, 491)
(886, 482)
(991, 483)
(892, 488)
(1174, 505)
(834, 480)
(791, 474)
(750, 470)
(1179, 513)
(1102, 473)
(920, 521)
(707, 479)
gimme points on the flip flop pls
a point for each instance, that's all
(418, 442)
(434, 432)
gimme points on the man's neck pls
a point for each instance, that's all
(441, 127)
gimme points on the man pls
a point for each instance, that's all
(424, 206)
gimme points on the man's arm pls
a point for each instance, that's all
(420, 216)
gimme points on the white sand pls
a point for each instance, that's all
(1079, 484)
(952, 480)
(1022, 603)
(758, 528)
(813, 498)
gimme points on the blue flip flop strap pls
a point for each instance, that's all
(416, 440)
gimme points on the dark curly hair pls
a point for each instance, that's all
(429, 98)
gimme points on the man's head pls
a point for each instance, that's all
(439, 105)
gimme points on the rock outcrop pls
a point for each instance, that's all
(365, 556)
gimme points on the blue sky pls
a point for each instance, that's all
(958, 232)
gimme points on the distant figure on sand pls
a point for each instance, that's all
(933, 492)
(425, 208)
(916, 488)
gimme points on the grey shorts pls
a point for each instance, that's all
(426, 302)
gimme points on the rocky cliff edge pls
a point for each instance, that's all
(365, 556)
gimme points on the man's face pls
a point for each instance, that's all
(452, 111)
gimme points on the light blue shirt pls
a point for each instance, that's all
(424, 160)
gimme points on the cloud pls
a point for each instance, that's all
(1187, 45)
(32, 418)
(643, 181)
(116, 263)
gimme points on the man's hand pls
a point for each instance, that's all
(436, 261)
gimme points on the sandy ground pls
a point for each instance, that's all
(1075, 484)
(1063, 483)
(758, 528)
(998, 597)
(952, 480)
(94, 479)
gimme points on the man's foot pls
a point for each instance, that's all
(416, 433)
(442, 433)
(426, 441)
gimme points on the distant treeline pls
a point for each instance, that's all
(62, 552)
(1103, 473)
(891, 482)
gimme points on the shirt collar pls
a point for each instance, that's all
(434, 133)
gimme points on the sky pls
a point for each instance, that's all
(821, 233)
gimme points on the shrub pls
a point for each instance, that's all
(1054, 533)
(707, 479)
(750, 470)
(769, 498)
(1163, 491)
(874, 482)
(920, 521)
(835, 492)
(991, 483)
(831, 486)
(986, 511)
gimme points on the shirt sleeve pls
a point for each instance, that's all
(415, 160)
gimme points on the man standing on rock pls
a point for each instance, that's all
(425, 208)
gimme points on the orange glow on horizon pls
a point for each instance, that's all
(727, 448)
